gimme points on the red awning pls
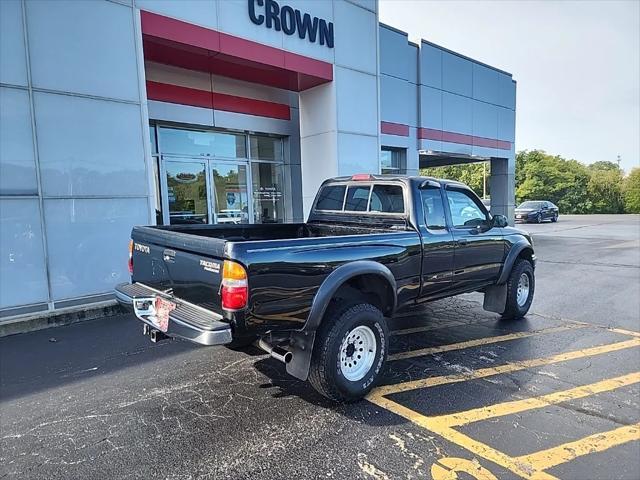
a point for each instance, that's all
(181, 44)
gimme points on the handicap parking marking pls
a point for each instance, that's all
(480, 342)
(532, 465)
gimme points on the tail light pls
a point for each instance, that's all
(131, 257)
(235, 291)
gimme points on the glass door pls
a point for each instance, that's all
(229, 192)
(186, 192)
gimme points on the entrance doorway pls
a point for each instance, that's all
(206, 191)
(245, 184)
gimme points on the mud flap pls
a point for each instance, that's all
(495, 298)
(302, 347)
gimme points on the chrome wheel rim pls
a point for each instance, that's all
(523, 289)
(357, 353)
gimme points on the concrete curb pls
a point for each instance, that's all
(66, 316)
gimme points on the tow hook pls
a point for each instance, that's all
(155, 335)
(279, 353)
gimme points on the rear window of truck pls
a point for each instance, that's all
(377, 198)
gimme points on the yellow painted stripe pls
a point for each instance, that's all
(599, 442)
(507, 368)
(478, 448)
(478, 342)
(509, 408)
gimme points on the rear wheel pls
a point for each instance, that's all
(349, 352)
(520, 289)
(539, 218)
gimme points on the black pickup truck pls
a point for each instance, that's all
(318, 295)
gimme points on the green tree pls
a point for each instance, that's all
(631, 191)
(605, 188)
(470, 174)
(540, 176)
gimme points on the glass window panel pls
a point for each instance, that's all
(268, 192)
(17, 163)
(152, 138)
(265, 148)
(331, 198)
(22, 272)
(87, 241)
(200, 143)
(186, 192)
(387, 199)
(156, 186)
(392, 160)
(465, 212)
(231, 197)
(433, 208)
(357, 198)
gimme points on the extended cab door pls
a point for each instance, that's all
(437, 242)
(479, 246)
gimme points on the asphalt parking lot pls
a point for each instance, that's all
(465, 395)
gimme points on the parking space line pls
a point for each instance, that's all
(480, 341)
(478, 448)
(517, 406)
(598, 442)
(506, 368)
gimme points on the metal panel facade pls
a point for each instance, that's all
(75, 155)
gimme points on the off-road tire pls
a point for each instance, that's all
(513, 311)
(325, 374)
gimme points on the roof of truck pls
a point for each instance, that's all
(403, 178)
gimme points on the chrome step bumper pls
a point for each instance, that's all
(186, 321)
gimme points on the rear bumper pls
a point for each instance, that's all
(187, 321)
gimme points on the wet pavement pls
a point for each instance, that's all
(465, 395)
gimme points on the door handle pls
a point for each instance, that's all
(462, 241)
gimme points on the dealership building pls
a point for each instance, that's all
(117, 113)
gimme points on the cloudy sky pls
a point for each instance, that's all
(577, 64)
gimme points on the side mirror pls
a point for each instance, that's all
(500, 221)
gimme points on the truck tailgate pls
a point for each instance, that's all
(188, 264)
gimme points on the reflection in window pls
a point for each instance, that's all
(152, 139)
(265, 148)
(433, 208)
(231, 198)
(156, 186)
(186, 192)
(331, 198)
(393, 160)
(199, 143)
(465, 212)
(268, 193)
(357, 198)
(387, 199)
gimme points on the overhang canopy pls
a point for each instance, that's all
(181, 44)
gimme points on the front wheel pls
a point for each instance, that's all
(520, 288)
(539, 218)
(554, 219)
(349, 352)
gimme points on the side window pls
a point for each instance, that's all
(465, 212)
(357, 198)
(331, 198)
(433, 209)
(387, 199)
